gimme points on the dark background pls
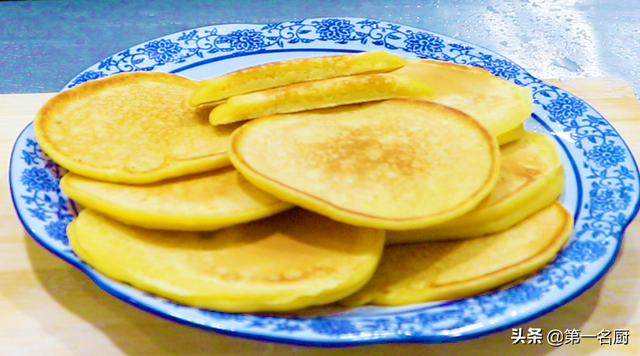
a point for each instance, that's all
(43, 44)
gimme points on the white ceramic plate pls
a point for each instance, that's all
(601, 184)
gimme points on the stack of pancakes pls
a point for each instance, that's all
(360, 178)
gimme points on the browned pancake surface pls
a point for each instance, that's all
(396, 159)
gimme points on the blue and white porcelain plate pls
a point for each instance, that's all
(601, 185)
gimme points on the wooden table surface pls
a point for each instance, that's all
(47, 307)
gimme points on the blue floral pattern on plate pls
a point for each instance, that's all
(601, 186)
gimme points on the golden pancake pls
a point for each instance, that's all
(445, 270)
(291, 71)
(204, 201)
(511, 135)
(286, 262)
(131, 128)
(531, 177)
(75, 245)
(497, 103)
(395, 164)
(317, 94)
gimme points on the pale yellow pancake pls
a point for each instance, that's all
(204, 201)
(317, 94)
(531, 177)
(275, 74)
(497, 103)
(445, 270)
(395, 164)
(511, 135)
(131, 128)
(286, 262)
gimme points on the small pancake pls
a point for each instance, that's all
(395, 164)
(497, 103)
(286, 262)
(511, 135)
(445, 270)
(317, 94)
(204, 201)
(131, 128)
(270, 75)
(531, 177)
